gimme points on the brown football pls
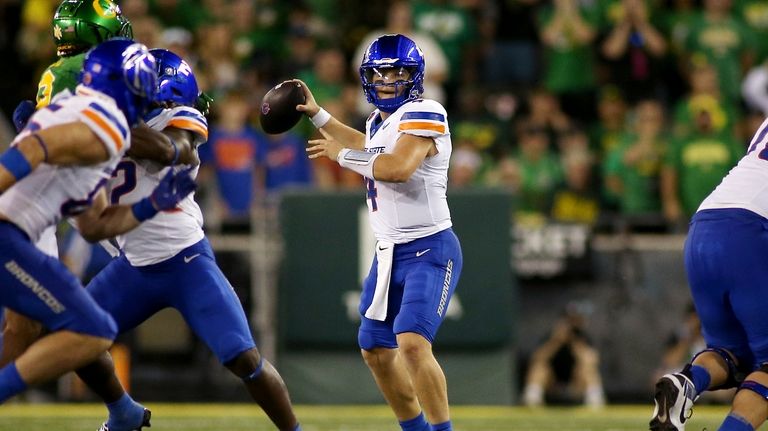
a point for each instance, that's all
(278, 107)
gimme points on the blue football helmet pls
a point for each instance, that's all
(125, 71)
(176, 82)
(393, 51)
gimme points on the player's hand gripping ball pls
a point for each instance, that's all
(278, 107)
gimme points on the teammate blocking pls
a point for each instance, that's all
(56, 168)
(77, 26)
(724, 260)
(168, 262)
(403, 156)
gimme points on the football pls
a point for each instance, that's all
(278, 107)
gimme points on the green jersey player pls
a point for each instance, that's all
(78, 25)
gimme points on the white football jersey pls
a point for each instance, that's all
(166, 234)
(39, 200)
(746, 185)
(403, 212)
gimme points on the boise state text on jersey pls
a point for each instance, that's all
(402, 212)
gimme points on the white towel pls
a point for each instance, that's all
(378, 308)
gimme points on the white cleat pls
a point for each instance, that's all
(673, 400)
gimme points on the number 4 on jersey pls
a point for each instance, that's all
(370, 186)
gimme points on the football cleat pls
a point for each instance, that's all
(674, 398)
(144, 422)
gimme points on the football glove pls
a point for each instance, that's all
(174, 187)
(21, 114)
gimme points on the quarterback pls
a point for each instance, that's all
(403, 156)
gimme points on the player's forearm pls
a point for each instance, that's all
(392, 169)
(147, 143)
(114, 220)
(349, 137)
(66, 145)
(46, 146)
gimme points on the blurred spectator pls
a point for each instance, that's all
(452, 26)
(634, 51)
(566, 366)
(676, 20)
(567, 30)
(218, 64)
(682, 344)
(575, 201)
(35, 42)
(544, 111)
(730, 51)
(534, 172)
(511, 41)
(755, 14)
(704, 94)
(694, 165)
(147, 30)
(400, 20)
(230, 158)
(605, 134)
(303, 38)
(466, 164)
(133, 9)
(632, 169)
(176, 13)
(283, 162)
(473, 126)
(259, 37)
(16, 82)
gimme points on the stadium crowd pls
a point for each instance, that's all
(585, 109)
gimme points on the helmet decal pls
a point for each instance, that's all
(176, 81)
(125, 71)
(139, 70)
(110, 11)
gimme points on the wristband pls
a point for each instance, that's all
(175, 152)
(143, 209)
(358, 161)
(321, 118)
(42, 145)
(14, 161)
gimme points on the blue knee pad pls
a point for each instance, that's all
(736, 372)
(755, 387)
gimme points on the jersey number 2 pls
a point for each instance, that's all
(128, 168)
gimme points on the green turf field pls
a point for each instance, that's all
(239, 417)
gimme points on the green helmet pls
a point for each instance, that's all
(81, 24)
